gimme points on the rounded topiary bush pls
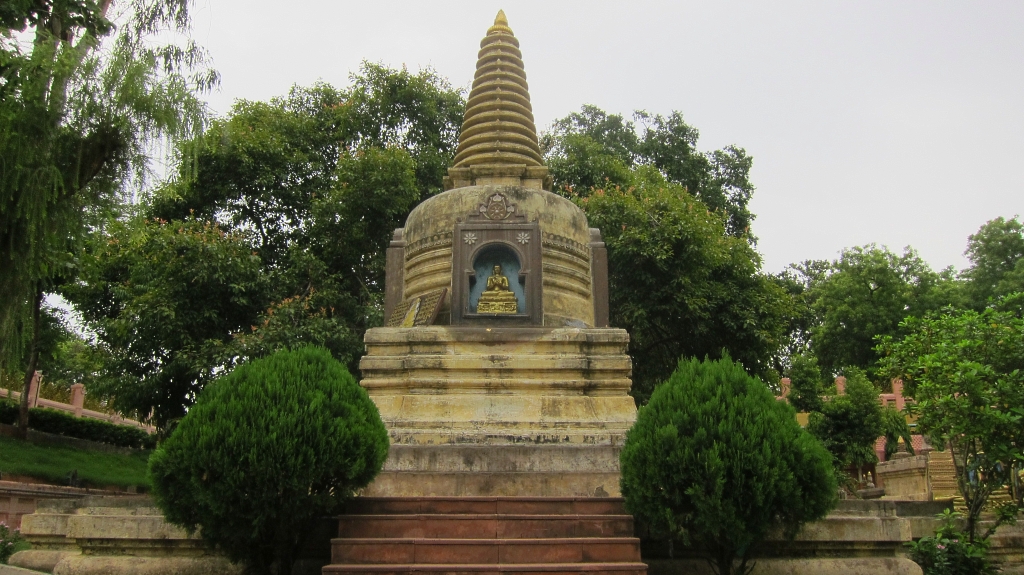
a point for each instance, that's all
(714, 460)
(266, 450)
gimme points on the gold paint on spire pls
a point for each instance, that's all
(500, 24)
(498, 128)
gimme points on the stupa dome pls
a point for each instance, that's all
(497, 196)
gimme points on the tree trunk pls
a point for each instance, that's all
(30, 369)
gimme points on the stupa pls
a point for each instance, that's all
(497, 373)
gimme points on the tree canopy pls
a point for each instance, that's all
(281, 218)
(680, 284)
(592, 149)
(81, 106)
(965, 369)
(996, 253)
(863, 294)
(849, 424)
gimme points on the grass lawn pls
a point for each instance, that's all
(95, 468)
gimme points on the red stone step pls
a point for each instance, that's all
(487, 505)
(527, 569)
(486, 551)
(483, 526)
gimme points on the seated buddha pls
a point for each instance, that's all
(497, 298)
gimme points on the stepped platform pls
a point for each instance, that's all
(451, 535)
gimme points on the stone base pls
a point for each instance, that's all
(905, 478)
(500, 411)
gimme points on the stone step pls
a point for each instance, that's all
(487, 505)
(522, 569)
(485, 551)
(484, 526)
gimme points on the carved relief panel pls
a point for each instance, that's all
(496, 267)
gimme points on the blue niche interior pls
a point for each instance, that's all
(496, 255)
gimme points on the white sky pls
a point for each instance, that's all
(900, 123)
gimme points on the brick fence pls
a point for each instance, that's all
(76, 407)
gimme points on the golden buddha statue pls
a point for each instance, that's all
(497, 298)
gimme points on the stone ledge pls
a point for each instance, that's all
(495, 335)
(838, 566)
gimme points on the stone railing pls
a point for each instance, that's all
(76, 407)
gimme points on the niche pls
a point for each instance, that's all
(496, 287)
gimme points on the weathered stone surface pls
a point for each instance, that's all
(12, 570)
(40, 559)
(500, 411)
(905, 478)
(134, 565)
(565, 248)
(837, 566)
(115, 535)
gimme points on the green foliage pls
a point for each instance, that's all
(592, 149)
(864, 294)
(266, 167)
(164, 299)
(679, 284)
(55, 464)
(965, 370)
(895, 428)
(949, 552)
(266, 449)
(805, 383)
(76, 125)
(59, 423)
(716, 460)
(11, 542)
(273, 235)
(996, 253)
(848, 425)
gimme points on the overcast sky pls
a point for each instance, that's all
(899, 123)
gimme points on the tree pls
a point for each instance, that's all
(848, 425)
(716, 460)
(965, 371)
(895, 428)
(267, 165)
(77, 118)
(323, 177)
(304, 191)
(866, 293)
(996, 253)
(592, 149)
(266, 450)
(680, 284)
(165, 300)
(805, 383)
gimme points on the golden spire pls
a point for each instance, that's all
(500, 24)
(498, 128)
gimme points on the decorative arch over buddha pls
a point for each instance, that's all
(496, 257)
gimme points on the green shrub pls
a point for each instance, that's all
(849, 425)
(805, 383)
(61, 423)
(950, 552)
(11, 542)
(266, 450)
(716, 461)
(894, 428)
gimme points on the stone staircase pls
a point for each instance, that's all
(485, 535)
(943, 475)
(944, 486)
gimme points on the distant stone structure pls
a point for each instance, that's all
(497, 373)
